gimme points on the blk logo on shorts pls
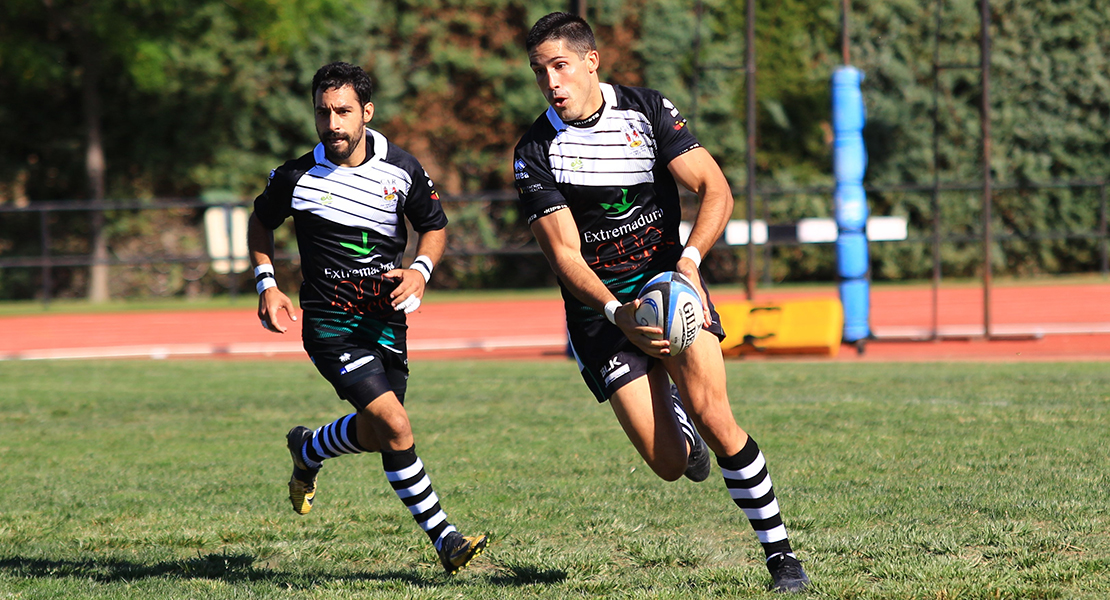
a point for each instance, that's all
(614, 370)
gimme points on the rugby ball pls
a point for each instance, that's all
(670, 302)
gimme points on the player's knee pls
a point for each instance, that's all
(709, 410)
(669, 468)
(399, 426)
(670, 474)
(392, 424)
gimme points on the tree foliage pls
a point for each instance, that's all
(1050, 106)
(208, 95)
(196, 95)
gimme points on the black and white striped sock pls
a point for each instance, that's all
(749, 484)
(683, 419)
(334, 439)
(405, 472)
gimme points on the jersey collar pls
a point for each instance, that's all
(379, 152)
(607, 92)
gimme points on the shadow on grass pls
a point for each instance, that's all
(525, 575)
(238, 568)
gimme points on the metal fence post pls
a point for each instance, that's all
(749, 84)
(44, 235)
(1103, 242)
(233, 280)
(985, 126)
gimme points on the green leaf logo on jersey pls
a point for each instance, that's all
(326, 199)
(619, 208)
(362, 250)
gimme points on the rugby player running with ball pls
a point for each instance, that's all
(596, 175)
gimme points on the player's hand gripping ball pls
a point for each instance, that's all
(670, 302)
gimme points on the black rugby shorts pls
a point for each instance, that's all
(347, 360)
(608, 361)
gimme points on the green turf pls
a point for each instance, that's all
(167, 480)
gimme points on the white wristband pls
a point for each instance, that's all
(423, 265)
(611, 310)
(264, 277)
(693, 254)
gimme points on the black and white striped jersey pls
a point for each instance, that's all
(350, 223)
(613, 178)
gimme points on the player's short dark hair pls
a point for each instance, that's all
(572, 29)
(339, 74)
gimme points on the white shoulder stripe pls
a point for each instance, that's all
(369, 196)
(351, 219)
(344, 206)
(603, 179)
(370, 201)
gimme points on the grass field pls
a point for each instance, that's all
(167, 480)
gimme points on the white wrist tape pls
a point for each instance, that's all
(611, 310)
(410, 304)
(693, 254)
(264, 277)
(423, 265)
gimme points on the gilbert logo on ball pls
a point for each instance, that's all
(670, 302)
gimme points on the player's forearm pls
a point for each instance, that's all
(582, 282)
(260, 242)
(432, 244)
(698, 172)
(557, 236)
(714, 211)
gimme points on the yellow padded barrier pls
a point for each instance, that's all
(809, 326)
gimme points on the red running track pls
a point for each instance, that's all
(1035, 322)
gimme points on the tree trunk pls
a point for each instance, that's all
(94, 168)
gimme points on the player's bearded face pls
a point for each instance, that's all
(341, 123)
(339, 146)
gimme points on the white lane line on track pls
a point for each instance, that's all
(1029, 329)
(161, 351)
(170, 350)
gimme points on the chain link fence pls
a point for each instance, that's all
(190, 247)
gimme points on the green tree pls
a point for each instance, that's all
(175, 97)
(1050, 103)
(158, 98)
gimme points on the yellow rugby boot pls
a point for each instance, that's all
(457, 550)
(302, 485)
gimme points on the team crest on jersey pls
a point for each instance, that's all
(389, 193)
(634, 139)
